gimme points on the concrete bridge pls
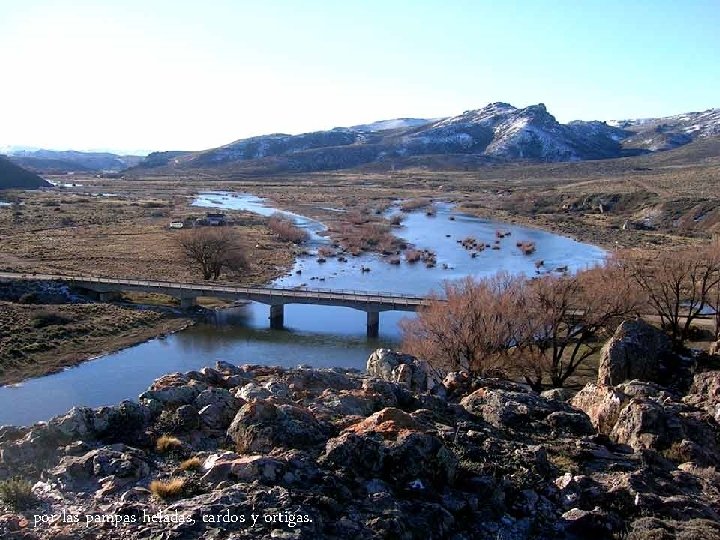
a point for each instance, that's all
(107, 289)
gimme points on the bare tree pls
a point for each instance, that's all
(564, 317)
(213, 251)
(678, 285)
(541, 329)
(471, 328)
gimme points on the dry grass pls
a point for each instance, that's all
(167, 443)
(168, 489)
(122, 236)
(192, 464)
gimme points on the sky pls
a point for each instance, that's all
(142, 75)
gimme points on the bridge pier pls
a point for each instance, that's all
(108, 296)
(277, 316)
(373, 324)
(188, 302)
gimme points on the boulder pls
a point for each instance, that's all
(409, 457)
(705, 393)
(121, 423)
(388, 423)
(637, 350)
(231, 466)
(74, 472)
(510, 405)
(401, 368)
(217, 408)
(260, 426)
(642, 424)
(602, 404)
(173, 390)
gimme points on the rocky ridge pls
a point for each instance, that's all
(496, 133)
(391, 453)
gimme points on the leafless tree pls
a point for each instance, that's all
(213, 251)
(564, 318)
(541, 329)
(471, 328)
(677, 284)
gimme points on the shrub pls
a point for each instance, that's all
(286, 230)
(414, 204)
(413, 255)
(168, 489)
(167, 443)
(17, 493)
(49, 318)
(678, 285)
(396, 220)
(29, 298)
(191, 464)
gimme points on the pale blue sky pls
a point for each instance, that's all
(145, 74)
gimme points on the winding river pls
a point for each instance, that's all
(314, 335)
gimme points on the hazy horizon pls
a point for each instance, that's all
(165, 75)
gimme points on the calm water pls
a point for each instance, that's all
(314, 335)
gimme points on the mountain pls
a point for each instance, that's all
(395, 123)
(12, 176)
(496, 133)
(54, 161)
(657, 134)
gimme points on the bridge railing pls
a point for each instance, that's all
(272, 291)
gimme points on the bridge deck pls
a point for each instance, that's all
(365, 301)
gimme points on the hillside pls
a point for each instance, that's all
(498, 133)
(14, 177)
(58, 162)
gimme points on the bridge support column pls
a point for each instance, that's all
(108, 296)
(188, 302)
(373, 324)
(277, 316)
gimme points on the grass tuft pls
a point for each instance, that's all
(168, 489)
(167, 443)
(191, 464)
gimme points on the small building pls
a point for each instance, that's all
(215, 219)
(177, 224)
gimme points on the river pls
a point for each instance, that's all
(314, 335)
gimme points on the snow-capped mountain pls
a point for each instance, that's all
(498, 132)
(655, 134)
(395, 123)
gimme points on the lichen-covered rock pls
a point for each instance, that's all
(637, 350)
(705, 393)
(602, 404)
(260, 426)
(230, 466)
(392, 366)
(509, 405)
(217, 407)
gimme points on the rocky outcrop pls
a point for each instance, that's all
(646, 416)
(392, 366)
(637, 350)
(336, 453)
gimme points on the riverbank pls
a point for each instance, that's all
(37, 340)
